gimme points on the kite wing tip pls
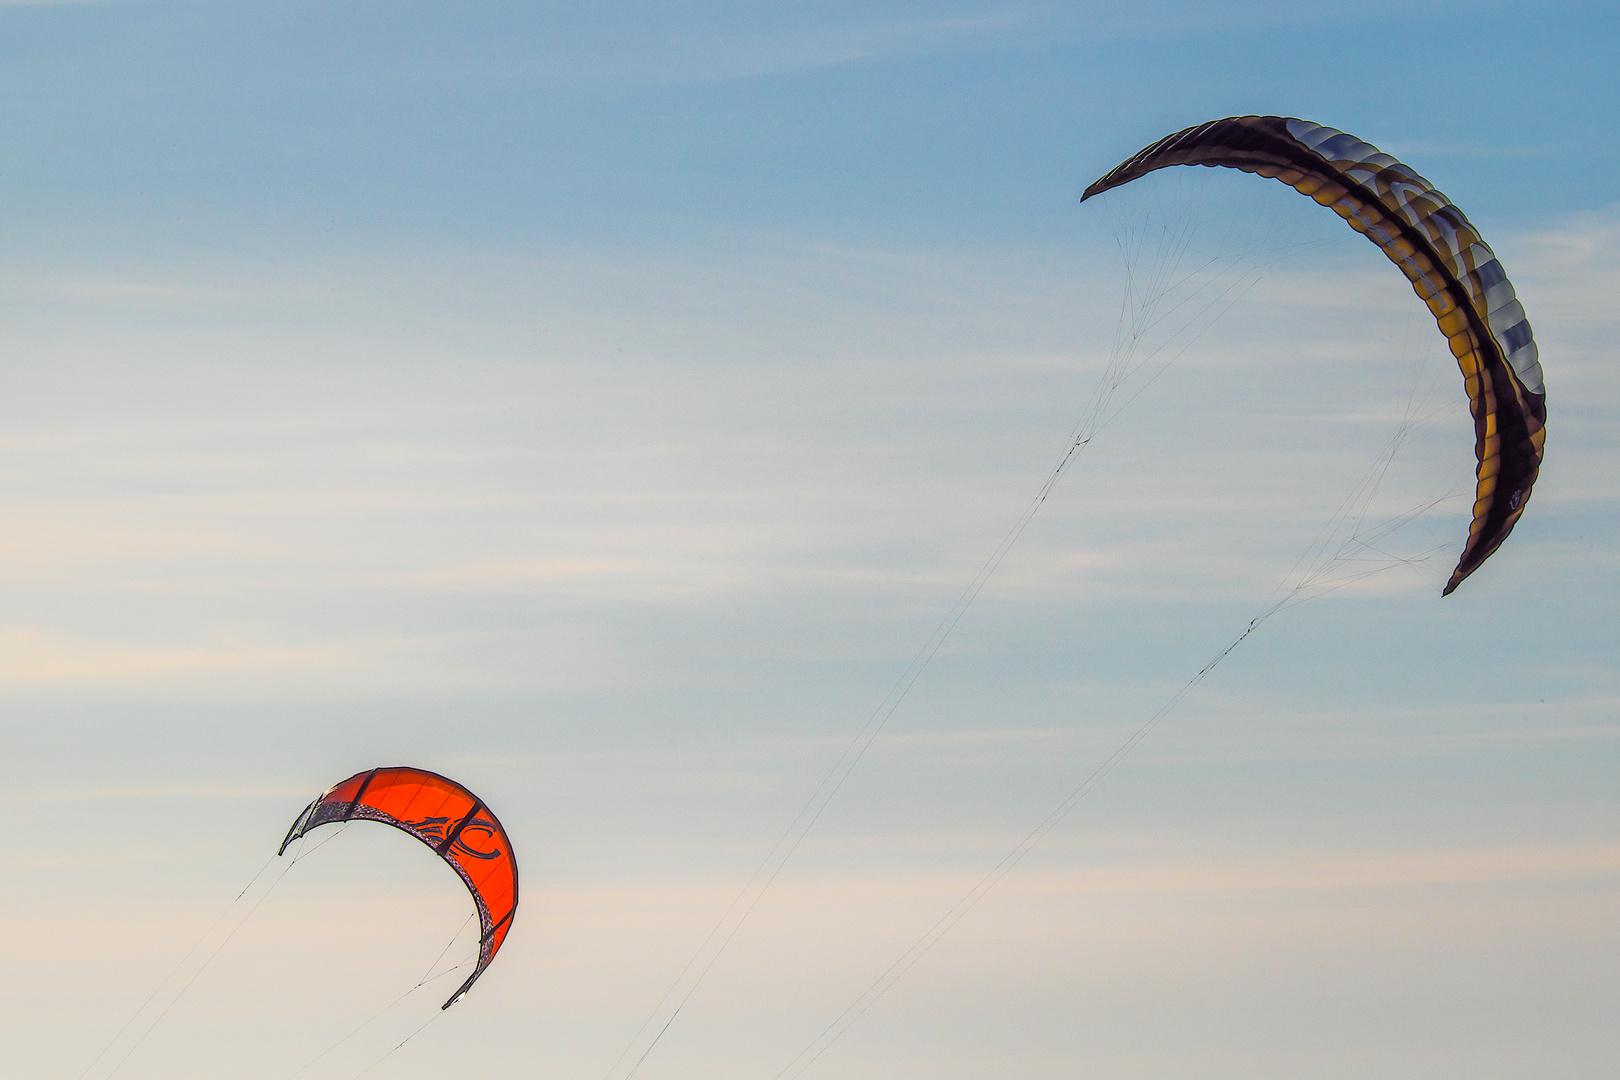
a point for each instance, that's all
(461, 991)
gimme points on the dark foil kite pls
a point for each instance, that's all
(446, 817)
(1451, 268)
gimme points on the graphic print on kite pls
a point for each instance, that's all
(1450, 266)
(446, 817)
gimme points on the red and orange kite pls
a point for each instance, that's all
(446, 817)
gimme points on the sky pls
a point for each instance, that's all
(605, 404)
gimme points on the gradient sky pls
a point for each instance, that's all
(603, 404)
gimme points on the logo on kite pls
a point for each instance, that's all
(430, 829)
(433, 830)
(485, 828)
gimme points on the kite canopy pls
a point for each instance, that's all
(1451, 268)
(447, 818)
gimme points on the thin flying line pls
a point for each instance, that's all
(1312, 584)
(378, 1014)
(165, 980)
(194, 975)
(400, 1044)
(1164, 275)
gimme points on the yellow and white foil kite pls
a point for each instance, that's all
(1451, 268)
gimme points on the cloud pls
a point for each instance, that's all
(817, 427)
(32, 657)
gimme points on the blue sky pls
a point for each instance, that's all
(211, 126)
(603, 405)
